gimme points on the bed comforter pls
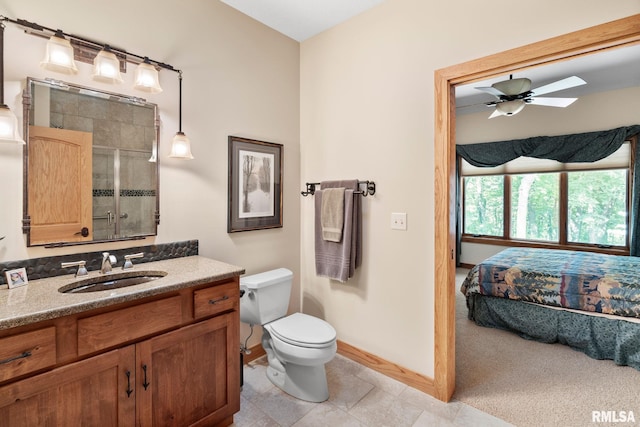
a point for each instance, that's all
(570, 279)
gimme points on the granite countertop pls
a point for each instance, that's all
(40, 300)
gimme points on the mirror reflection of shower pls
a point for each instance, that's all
(123, 190)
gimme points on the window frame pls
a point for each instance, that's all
(506, 240)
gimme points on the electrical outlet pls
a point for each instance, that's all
(399, 221)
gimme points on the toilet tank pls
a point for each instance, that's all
(266, 296)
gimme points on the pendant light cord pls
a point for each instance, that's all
(180, 102)
(2, 63)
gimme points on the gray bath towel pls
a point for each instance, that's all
(338, 260)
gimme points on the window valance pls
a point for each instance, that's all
(573, 148)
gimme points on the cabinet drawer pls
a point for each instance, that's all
(127, 324)
(216, 299)
(27, 352)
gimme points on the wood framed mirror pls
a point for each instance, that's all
(90, 165)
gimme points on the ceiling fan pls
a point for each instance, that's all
(514, 94)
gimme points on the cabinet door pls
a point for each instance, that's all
(190, 376)
(91, 392)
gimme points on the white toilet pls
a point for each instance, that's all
(297, 345)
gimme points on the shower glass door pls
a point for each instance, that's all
(124, 195)
(137, 193)
(104, 193)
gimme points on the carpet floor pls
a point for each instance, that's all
(527, 383)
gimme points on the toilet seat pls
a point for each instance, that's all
(302, 330)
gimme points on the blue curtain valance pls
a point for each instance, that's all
(579, 148)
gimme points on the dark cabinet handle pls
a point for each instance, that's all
(146, 383)
(129, 390)
(11, 359)
(213, 301)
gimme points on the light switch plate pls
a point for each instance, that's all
(399, 221)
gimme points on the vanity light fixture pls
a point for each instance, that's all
(106, 67)
(59, 55)
(147, 78)
(180, 146)
(63, 48)
(8, 120)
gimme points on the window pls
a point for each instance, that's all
(483, 214)
(530, 200)
(597, 208)
(535, 199)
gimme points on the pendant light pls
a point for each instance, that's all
(8, 120)
(59, 55)
(146, 78)
(106, 67)
(181, 146)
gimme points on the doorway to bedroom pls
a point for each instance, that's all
(584, 42)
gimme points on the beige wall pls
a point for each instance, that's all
(240, 78)
(367, 112)
(598, 111)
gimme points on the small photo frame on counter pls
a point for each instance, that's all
(16, 278)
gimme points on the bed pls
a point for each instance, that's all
(588, 301)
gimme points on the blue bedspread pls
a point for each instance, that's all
(579, 280)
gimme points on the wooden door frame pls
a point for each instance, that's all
(613, 34)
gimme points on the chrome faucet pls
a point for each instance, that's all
(82, 270)
(128, 258)
(107, 261)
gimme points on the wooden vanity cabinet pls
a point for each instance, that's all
(185, 375)
(91, 392)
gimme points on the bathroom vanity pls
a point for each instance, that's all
(163, 352)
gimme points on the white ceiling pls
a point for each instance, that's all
(301, 19)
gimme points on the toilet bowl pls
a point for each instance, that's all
(297, 345)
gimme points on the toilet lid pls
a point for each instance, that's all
(303, 330)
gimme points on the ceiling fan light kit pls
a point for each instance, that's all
(509, 108)
(514, 94)
(513, 86)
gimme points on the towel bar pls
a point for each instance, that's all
(370, 188)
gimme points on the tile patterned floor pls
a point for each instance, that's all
(359, 397)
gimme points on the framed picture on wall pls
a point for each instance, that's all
(255, 185)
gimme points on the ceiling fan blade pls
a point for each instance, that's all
(563, 84)
(552, 102)
(491, 90)
(461, 107)
(496, 113)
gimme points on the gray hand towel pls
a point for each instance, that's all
(332, 214)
